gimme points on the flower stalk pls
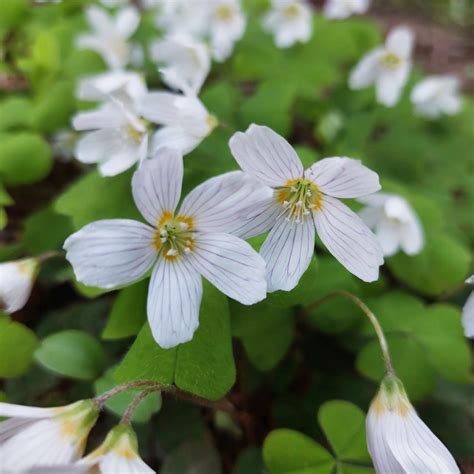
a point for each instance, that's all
(372, 318)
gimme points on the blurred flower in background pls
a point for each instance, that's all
(394, 222)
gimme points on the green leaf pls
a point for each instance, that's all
(12, 12)
(440, 267)
(262, 108)
(128, 313)
(45, 230)
(203, 366)
(14, 112)
(118, 403)
(73, 354)
(93, 197)
(425, 341)
(343, 424)
(17, 346)
(265, 331)
(290, 452)
(53, 110)
(25, 158)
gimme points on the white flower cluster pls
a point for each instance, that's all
(389, 66)
(52, 440)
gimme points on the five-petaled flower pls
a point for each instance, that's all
(185, 62)
(111, 34)
(36, 437)
(387, 66)
(180, 245)
(302, 201)
(117, 136)
(16, 281)
(290, 21)
(394, 222)
(437, 95)
(398, 440)
(340, 9)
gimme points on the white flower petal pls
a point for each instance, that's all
(108, 115)
(99, 19)
(382, 457)
(412, 239)
(160, 107)
(222, 203)
(156, 185)
(99, 86)
(16, 282)
(258, 218)
(109, 253)
(126, 21)
(287, 251)
(266, 155)
(468, 316)
(22, 411)
(343, 177)
(40, 443)
(174, 298)
(176, 138)
(388, 235)
(400, 41)
(114, 149)
(415, 447)
(365, 72)
(231, 265)
(347, 237)
(113, 463)
(11, 427)
(390, 84)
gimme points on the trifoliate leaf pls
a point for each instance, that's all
(204, 366)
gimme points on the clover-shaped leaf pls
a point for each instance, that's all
(343, 423)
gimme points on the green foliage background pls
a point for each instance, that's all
(279, 363)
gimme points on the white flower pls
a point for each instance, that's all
(117, 454)
(180, 246)
(119, 138)
(303, 200)
(100, 86)
(186, 62)
(340, 9)
(226, 26)
(183, 17)
(290, 21)
(63, 144)
(437, 95)
(186, 122)
(387, 66)
(16, 281)
(394, 222)
(110, 34)
(468, 312)
(398, 440)
(34, 437)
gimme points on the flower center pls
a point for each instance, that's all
(134, 134)
(391, 61)
(298, 198)
(174, 236)
(212, 122)
(292, 11)
(224, 12)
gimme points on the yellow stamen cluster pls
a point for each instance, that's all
(224, 12)
(298, 198)
(391, 61)
(292, 11)
(174, 236)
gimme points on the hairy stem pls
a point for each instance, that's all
(372, 318)
(150, 386)
(128, 415)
